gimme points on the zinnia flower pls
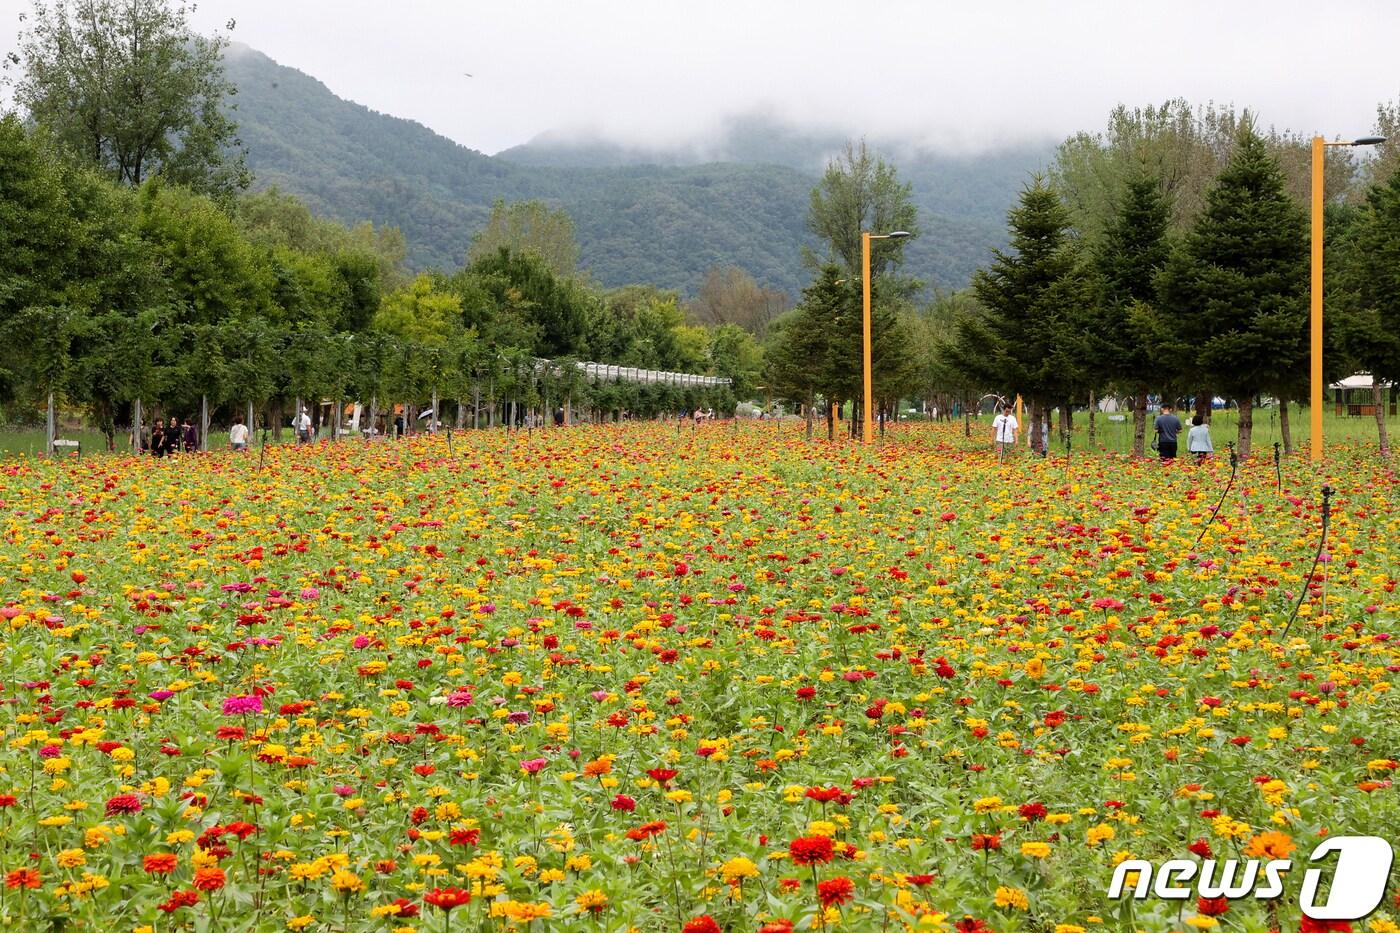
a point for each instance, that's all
(447, 898)
(242, 705)
(209, 879)
(811, 850)
(160, 863)
(836, 891)
(123, 803)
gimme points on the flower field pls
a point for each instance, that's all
(629, 677)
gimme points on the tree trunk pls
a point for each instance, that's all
(1285, 428)
(1246, 435)
(276, 421)
(373, 414)
(1140, 423)
(50, 426)
(830, 422)
(249, 422)
(335, 419)
(461, 415)
(136, 419)
(433, 421)
(568, 409)
(1203, 404)
(204, 423)
(811, 417)
(1378, 400)
(1093, 409)
(1033, 429)
(1066, 423)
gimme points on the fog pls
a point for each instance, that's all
(954, 76)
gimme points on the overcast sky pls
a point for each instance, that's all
(964, 74)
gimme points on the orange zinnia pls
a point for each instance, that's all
(1271, 844)
(161, 863)
(209, 879)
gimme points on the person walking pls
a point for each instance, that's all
(238, 435)
(158, 441)
(1004, 430)
(191, 437)
(172, 436)
(1198, 439)
(303, 427)
(1168, 426)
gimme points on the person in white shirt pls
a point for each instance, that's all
(1198, 439)
(303, 427)
(1004, 429)
(238, 435)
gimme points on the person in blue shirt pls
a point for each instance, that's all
(1167, 426)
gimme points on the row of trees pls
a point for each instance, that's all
(1168, 256)
(136, 267)
(112, 295)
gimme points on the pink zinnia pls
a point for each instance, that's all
(238, 705)
(533, 765)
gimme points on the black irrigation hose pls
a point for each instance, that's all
(1317, 558)
(1234, 470)
(1278, 467)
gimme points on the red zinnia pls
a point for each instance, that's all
(824, 794)
(811, 850)
(701, 924)
(1309, 925)
(985, 841)
(447, 898)
(623, 802)
(1211, 906)
(836, 891)
(646, 830)
(179, 899)
(123, 803)
(23, 878)
(1032, 811)
(662, 776)
(776, 926)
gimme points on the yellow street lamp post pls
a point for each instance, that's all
(1315, 401)
(865, 238)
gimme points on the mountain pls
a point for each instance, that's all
(642, 215)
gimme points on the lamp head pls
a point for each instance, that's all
(898, 234)
(1368, 141)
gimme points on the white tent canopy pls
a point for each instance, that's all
(1358, 381)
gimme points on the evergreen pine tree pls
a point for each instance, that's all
(1237, 287)
(1367, 309)
(1128, 339)
(1037, 300)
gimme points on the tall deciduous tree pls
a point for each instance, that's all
(729, 295)
(531, 227)
(861, 191)
(128, 86)
(1238, 285)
